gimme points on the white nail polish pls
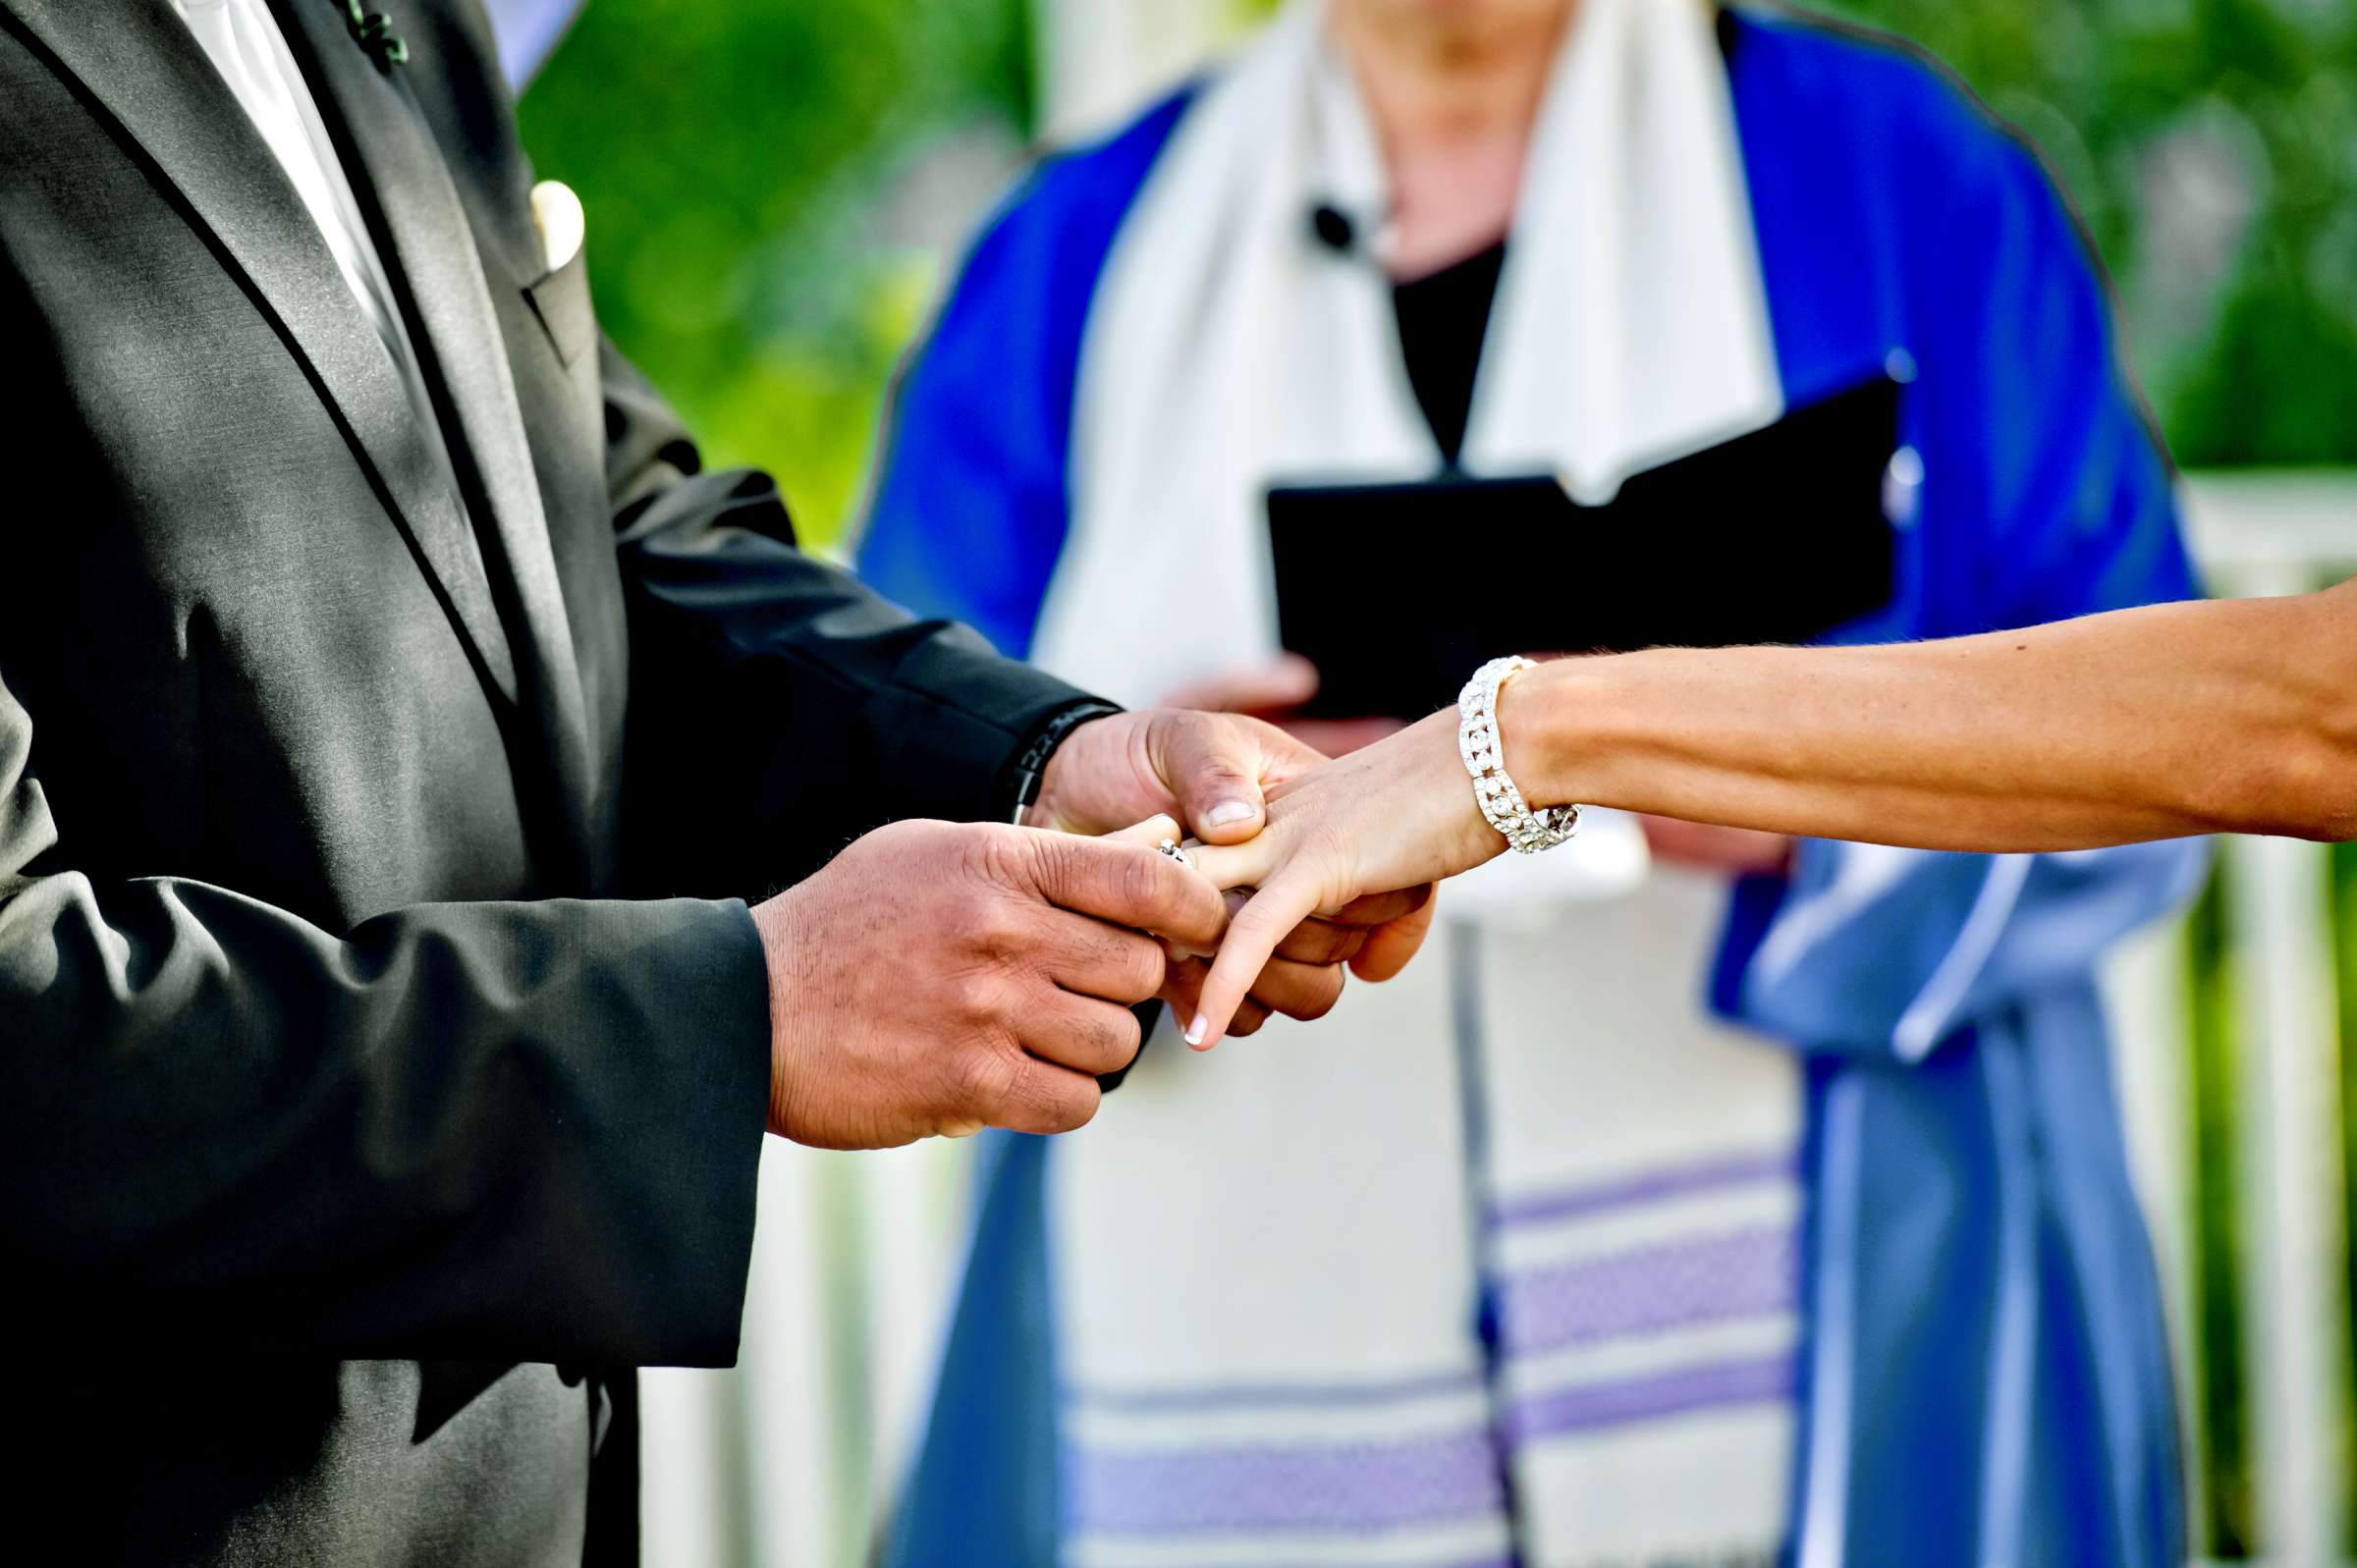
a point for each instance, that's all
(1196, 1030)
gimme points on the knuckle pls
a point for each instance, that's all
(1065, 1102)
(1081, 1109)
(1062, 867)
(983, 1078)
(1142, 967)
(1119, 1037)
(1220, 767)
(1137, 880)
(998, 855)
(977, 996)
(990, 923)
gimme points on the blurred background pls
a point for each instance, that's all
(776, 190)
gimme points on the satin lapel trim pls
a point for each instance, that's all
(147, 71)
(434, 260)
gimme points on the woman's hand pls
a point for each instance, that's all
(1397, 814)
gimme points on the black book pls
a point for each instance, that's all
(1398, 591)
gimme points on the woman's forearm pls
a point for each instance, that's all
(2239, 716)
(2235, 715)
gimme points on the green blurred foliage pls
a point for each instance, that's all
(2200, 109)
(727, 154)
(2221, 1438)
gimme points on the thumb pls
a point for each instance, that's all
(1212, 765)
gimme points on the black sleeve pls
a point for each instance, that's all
(779, 708)
(521, 1131)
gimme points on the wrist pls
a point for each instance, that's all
(1555, 722)
(1033, 771)
(1481, 744)
(784, 942)
(1462, 835)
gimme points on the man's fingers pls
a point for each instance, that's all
(1129, 884)
(1182, 987)
(1213, 766)
(1382, 909)
(1045, 1097)
(1095, 958)
(1252, 937)
(1296, 990)
(1317, 940)
(1218, 767)
(1391, 945)
(1152, 833)
(1080, 1033)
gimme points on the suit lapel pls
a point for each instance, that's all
(395, 163)
(147, 72)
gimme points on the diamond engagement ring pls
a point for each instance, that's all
(1177, 852)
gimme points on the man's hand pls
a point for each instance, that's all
(938, 978)
(1210, 770)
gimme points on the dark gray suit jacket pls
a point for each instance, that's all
(378, 1078)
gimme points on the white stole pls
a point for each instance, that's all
(1295, 1212)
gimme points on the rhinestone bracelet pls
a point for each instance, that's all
(1479, 743)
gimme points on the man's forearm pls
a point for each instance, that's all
(474, 1130)
(2173, 719)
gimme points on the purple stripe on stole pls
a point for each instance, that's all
(1592, 1407)
(1749, 1273)
(1650, 1186)
(1360, 1487)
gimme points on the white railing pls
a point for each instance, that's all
(2260, 533)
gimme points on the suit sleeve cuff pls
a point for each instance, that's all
(703, 1112)
(959, 721)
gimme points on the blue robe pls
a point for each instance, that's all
(1986, 1375)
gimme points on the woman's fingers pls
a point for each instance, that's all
(1237, 865)
(1150, 832)
(1184, 992)
(1292, 898)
